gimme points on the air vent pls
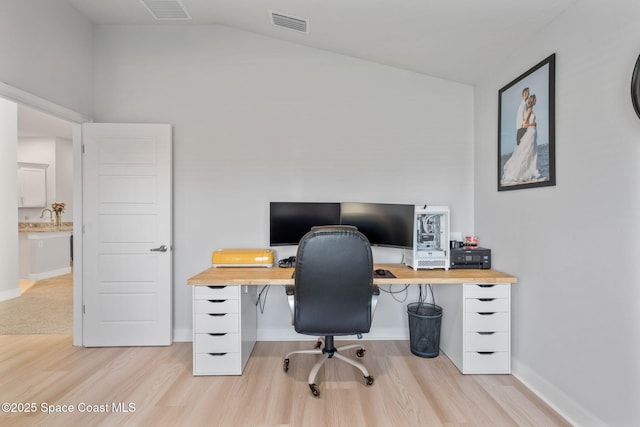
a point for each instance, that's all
(291, 22)
(166, 10)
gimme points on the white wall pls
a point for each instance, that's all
(258, 120)
(8, 197)
(64, 177)
(576, 321)
(46, 50)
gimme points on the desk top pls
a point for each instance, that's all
(404, 275)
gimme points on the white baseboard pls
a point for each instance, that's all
(554, 397)
(48, 274)
(289, 334)
(182, 335)
(10, 294)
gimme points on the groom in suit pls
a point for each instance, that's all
(522, 109)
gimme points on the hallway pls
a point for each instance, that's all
(46, 307)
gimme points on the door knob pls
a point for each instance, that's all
(162, 248)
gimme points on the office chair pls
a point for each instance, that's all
(333, 294)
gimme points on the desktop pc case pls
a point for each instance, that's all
(430, 239)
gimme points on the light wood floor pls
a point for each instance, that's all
(408, 390)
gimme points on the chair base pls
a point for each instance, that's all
(325, 347)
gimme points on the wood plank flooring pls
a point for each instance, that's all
(155, 386)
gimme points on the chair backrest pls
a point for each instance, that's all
(333, 282)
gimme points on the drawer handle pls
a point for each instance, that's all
(486, 352)
(217, 354)
(216, 287)
(217, 314)
(486, 299)
(486, 333)
(220, 334)
(486, 313)
(217, 301)
(486, 286)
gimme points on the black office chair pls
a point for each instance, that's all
(333, 293)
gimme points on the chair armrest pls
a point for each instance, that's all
(290, 291)
(375, 293)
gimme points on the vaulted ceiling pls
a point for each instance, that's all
(458, 40)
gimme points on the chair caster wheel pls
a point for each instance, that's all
(314, 390)
(360, 353)
(318, 344)
(285, 366)
(369, 380)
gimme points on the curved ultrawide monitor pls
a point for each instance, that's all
(383, 224)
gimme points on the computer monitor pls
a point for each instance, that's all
(383, 224)
(289, 221)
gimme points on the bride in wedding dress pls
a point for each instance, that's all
(522, 165)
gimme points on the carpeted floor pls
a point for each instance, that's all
(44, 308)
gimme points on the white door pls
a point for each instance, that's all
(127, 247)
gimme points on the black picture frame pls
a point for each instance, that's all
(526, 157)
(635, 87)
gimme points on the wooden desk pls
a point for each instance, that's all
(475, 329)
(404, 275)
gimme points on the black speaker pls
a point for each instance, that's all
(635, 87)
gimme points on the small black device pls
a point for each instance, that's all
(381, 272)
(471, 258)
(287, 262)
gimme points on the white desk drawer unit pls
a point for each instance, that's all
(224, 329)
(487, 329)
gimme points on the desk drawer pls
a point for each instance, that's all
(487, 322)
(223, 343)
(486, 291)
(216, 292)
(487, 305)
(203, 306)
(491, 341)
(216, 323)
(217, 364)
(498, 362)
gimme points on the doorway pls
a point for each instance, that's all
(44, 256)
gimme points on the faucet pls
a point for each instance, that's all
(50, 214)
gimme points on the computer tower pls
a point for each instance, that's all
(430, 239)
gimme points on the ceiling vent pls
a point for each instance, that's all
(166, 10)
(291, 22)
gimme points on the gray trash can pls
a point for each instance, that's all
(424, 328)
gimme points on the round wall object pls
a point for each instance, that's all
(635, 87)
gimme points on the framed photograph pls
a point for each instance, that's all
(526, 129)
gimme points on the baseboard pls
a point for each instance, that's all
(182, 335)
(554, 397)
(10, 294)
(289, 334)
(49, 274)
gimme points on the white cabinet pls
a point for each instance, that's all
(44, 254)
(224, 328)
(32, 185)
(476, 327)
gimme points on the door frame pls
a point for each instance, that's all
(76, 119)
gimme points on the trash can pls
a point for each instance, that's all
(424, 328)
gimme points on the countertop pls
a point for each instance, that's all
(43, 227)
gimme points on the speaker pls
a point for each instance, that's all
(635, 87)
